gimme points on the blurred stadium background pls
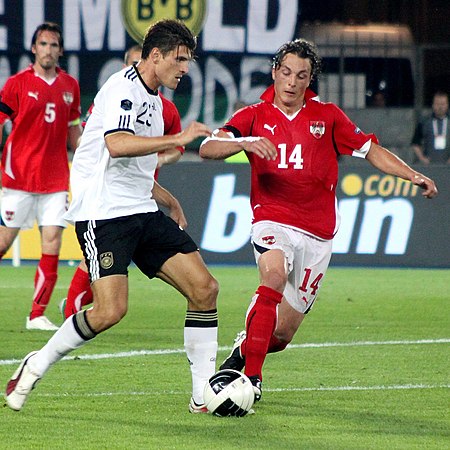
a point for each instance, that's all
(400, 49)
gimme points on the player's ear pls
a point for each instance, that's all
(155, 55)
(273, 73)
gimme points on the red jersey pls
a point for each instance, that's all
(172, 122)
(35, 154)
(298, 188)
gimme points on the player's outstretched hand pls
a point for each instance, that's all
(194, 131)
(428, 185)
(262, 147)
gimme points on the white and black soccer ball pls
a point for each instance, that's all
(229, 393)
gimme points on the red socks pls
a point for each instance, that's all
(261, 322)
(80, 293)
(44, 282)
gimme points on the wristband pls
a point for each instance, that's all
(240, 139)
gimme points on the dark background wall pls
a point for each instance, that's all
(428, 20)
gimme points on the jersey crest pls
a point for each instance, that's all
(67, 97)
(9, 215)
(317, 128)
(269, 240)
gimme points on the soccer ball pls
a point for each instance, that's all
(229, 393)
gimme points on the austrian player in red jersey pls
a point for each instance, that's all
(43, 103)
(292, 141)
(80, 293)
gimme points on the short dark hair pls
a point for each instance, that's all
(48, 26)
(133, 48)
(440, 94)
(167, 35)
(303, 49)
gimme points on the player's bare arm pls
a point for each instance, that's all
(221, 146)
(74, 135)
(164, 198)
(387, 162)
(123, 144)
(170, 156)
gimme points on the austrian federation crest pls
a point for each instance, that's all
(317, 128)
(68, 98)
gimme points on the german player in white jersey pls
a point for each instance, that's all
(79, 293)
(43, 104)
(117, 220)
(292, 141)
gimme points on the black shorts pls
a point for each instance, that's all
(148, 240)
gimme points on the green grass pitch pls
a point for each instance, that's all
(368, 369)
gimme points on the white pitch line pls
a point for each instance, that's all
(395, 387)
(133, 353)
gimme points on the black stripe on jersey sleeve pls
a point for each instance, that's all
(4, 108)
(131, 73)
(235, 131)
(124, 121)
(118, 130)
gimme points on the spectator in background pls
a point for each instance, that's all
(43, 104)
(378, 100)
(431, 140)
(80, 293)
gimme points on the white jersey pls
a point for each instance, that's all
(104, 187)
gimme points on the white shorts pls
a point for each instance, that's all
(307, 260)
(19, 209)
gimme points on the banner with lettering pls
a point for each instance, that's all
(237, 39)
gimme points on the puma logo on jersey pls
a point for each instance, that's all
(271, 129)
(33, 94)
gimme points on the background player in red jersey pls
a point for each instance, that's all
(43, 103)
(80, 292)
(292, 141)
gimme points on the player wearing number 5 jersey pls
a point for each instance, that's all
(292, 141)
(43, 103)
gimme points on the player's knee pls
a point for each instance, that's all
(284, 337)
(106, 318)
(275, 279)
(205, 294)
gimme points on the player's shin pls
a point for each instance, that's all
(73, 334)
(79, 294)
(44, 283)
(200, 342)
(261, 322)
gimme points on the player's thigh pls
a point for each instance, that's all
(273, 252)
(162, 240)
(18, 209)
(51, 239)
(51, 209)
(273, 269)
(110, 301)
(108, 245)
(188, 273)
